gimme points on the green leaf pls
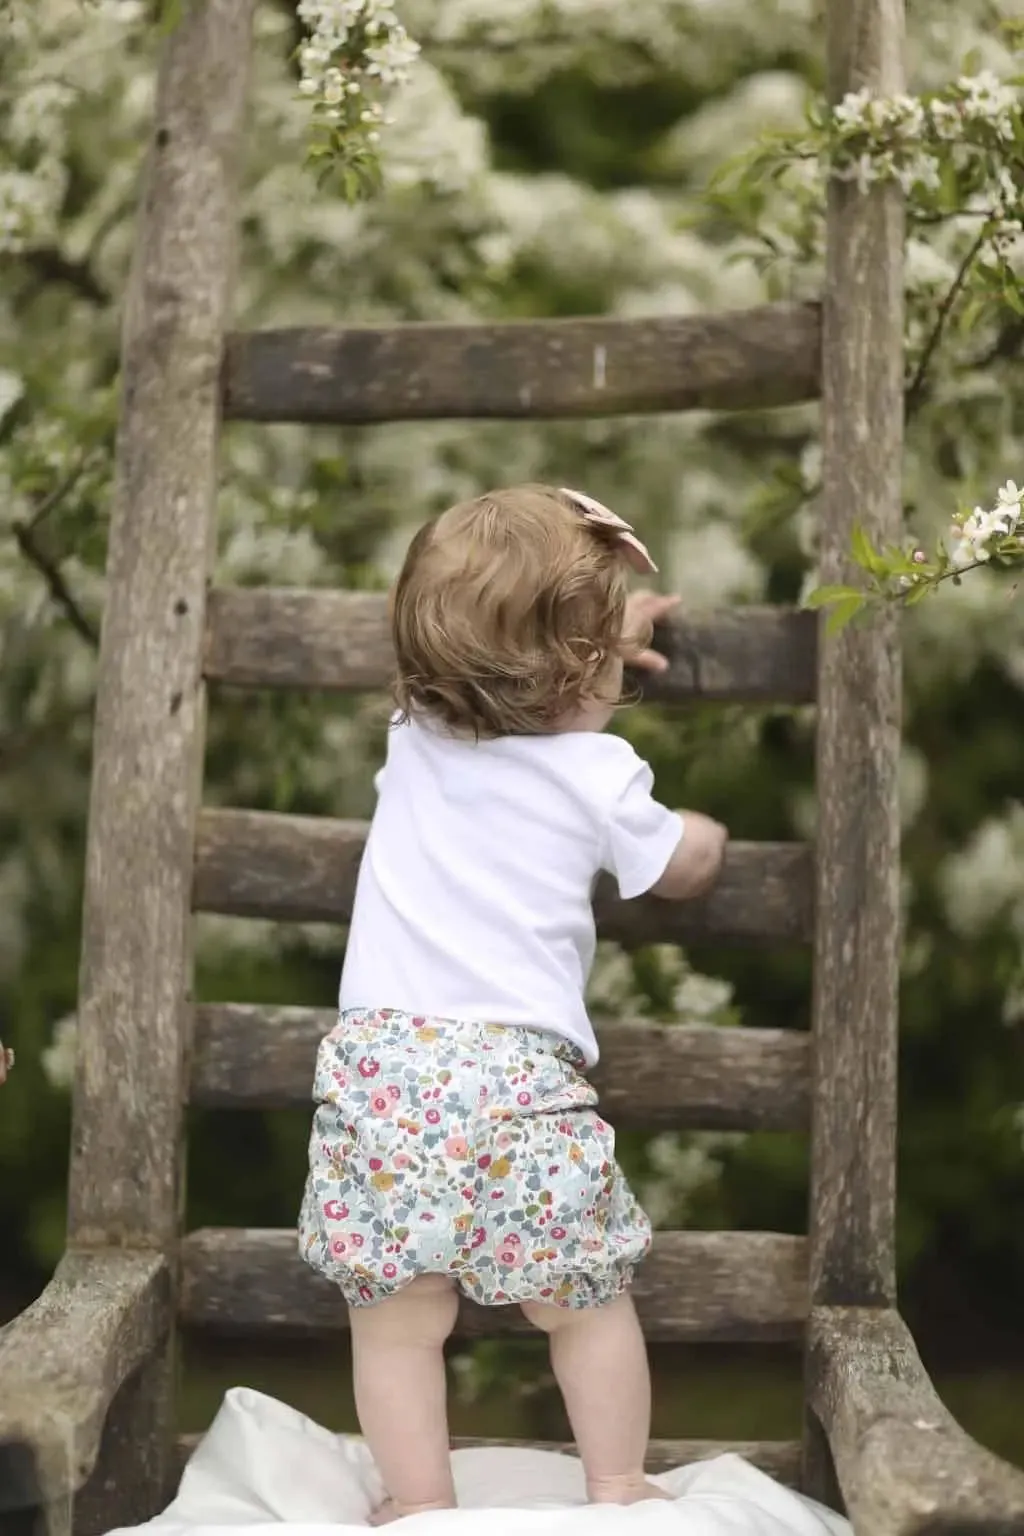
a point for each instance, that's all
(170, 15)
(950, 182)
(864, 552)
(845, 610)
(823, 597)
(972, 312)
(1013, 297)
(916, 593)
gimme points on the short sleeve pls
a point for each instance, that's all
(640, 834)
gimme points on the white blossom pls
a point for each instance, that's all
(430, 140)
(12, 387)
(926, 265)
(59, 1057)
(971, 539)
(680, 1168)
(879, 138)
(357, 52)
(701, 997)
(34, 110)
(1009, 497)
(710, 565)
(985, 879)
(987, 98)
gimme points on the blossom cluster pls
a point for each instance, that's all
(976, 538)
(31, 196)
(979, 535)
(907, 139)
(357, 51)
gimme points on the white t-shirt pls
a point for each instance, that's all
(474, 894)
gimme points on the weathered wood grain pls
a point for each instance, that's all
(147, 759)
(779, 1458)
(62, 1363)
(727, 1286)
(856, 953)
(904, 1465)
(650, 1076)
(304, 868)
(135, 1464)
(744, 360)
(266, 637)
(857, 940)
(148, 740)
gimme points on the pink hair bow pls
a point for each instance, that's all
(634, 552)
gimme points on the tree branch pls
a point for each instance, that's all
(49, 265)
(902, 598)
(60, 490)
(60, 592)
(914, 393)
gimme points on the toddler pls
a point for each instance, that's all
(457, 1146)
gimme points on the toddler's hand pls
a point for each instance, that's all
(642, 610)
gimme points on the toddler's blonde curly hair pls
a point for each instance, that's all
(508, 615)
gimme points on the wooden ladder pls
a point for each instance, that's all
(86, 1437)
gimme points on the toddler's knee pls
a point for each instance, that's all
(545, 1316)
(434, 1308)
(605, 1314)
(422, 1313)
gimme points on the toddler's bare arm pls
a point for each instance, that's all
(697, 861)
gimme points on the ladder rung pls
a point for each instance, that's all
(266, 637)
(650, 1076)
(739, 360)
(303, 869)
(729, 1287)
(779, 1458)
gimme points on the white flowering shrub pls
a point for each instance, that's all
(356, 52)
(992, 536)
(956, 154)
(538, 157)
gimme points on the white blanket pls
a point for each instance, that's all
(263, 1463)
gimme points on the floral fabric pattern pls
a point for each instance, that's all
(473, 1150)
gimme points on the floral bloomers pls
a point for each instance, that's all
(473, 1150)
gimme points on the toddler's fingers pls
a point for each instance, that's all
(662, 601)
(650, 661)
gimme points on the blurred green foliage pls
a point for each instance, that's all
(334, 506)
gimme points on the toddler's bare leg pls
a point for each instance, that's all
(401, 1397)
(599, 1359)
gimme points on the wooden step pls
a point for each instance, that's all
(267, 637)
(650, 1076)
(748, 359)
(735, 1287)
(303, 869)
(779, 1458)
